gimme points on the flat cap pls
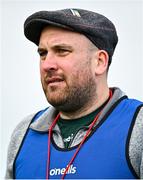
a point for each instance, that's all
(96, 27)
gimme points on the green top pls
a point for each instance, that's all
(69, 128)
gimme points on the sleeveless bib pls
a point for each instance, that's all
(102, 156)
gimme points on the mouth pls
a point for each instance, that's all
(54, 80)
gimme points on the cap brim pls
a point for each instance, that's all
(33, 29)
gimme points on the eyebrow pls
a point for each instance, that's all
(56, 46)
(62, 45)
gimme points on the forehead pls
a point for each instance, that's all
(51, 34)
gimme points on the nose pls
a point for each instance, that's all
(49, 63)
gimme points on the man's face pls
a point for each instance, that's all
(66, 67)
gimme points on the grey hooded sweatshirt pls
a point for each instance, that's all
(44, 121)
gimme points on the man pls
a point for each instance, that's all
(90, 130)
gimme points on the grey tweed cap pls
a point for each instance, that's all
(96, 27)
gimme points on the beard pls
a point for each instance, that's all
(73, 95)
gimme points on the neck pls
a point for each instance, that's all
(100, 98)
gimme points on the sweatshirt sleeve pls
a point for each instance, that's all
(15, 142)
(136, 145)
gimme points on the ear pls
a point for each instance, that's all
(102, 58)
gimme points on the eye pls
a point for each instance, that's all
(42, 53)
(62, 51)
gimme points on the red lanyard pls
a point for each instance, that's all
(80, 145)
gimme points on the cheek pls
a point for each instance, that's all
(75, 75)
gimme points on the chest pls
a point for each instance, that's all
(102, 156)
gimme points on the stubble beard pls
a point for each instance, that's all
(75, 95)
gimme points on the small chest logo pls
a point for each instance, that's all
(60, 171)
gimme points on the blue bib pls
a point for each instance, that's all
(102, 156)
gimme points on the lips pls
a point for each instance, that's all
(53, 80)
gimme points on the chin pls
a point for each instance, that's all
(56, 100)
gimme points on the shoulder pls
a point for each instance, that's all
(22, 126)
